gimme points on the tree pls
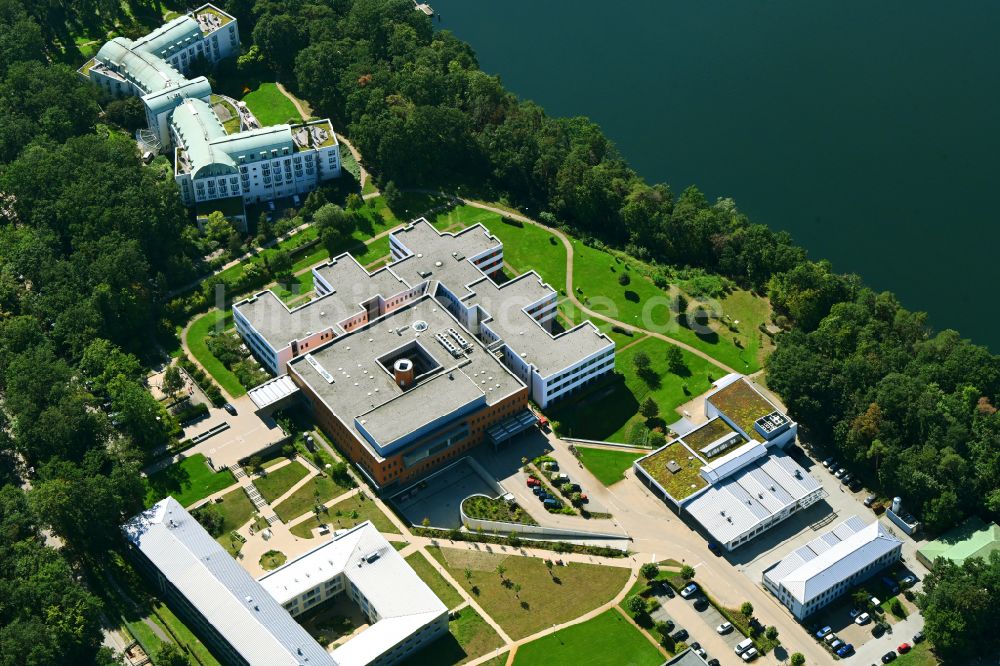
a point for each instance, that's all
(171, 655)
(746, 608)
(128, 113)
(641, 362)
(636, 605)
(501, 570)
(211, 519)
(675, 360)
(335, 226)
(687, 572)
(656, 439)
(771, 633)
(256, 464)
(517, 590)
(393, 198)
(623, 279)
(649, 571)
(798, 659)
(468, 574)
(173, 382)
(649, 409)
(218, 227)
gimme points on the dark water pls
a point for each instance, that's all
(869, 130)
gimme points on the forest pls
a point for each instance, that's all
(92, 242)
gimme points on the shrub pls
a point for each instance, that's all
(747, 609)
(649, 571)
(771, 633)
(636, 605)
(687, 572)
(210, 518)
(798, 659)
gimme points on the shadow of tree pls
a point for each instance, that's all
(631, 296)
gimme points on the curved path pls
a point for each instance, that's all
(572, 296)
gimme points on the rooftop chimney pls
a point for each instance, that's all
(402, 370)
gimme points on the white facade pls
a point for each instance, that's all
(830, 565)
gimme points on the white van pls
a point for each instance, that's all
(743, 646)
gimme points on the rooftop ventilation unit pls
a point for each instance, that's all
(446, 343)
(462, 342)
(319, 368)
(420, 326)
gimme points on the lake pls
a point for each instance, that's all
(867, 130)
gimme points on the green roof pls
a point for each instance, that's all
(973, 538)
(742, 405)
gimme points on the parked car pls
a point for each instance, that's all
(533, 482)
(870, 500)
(713, 662)
(903, 648)
(700, 651)
(846, 479)
(828, 462)
(890, 584)
(700, 603)
(670, 625)
(824, 632)
(888, 656)
(830, 639)
(715, 548)
(854, 486)
(840, 472)
(836, 645)
(724, 628)
(743, 646)
(862, 619)
(918, 637)
(688, 591)
(855, 612)
(537, 490)
(878, 630)
(908, 580)
(749, 655)
(679, 635)
(229, 408)
(845, 650)
(551, 504)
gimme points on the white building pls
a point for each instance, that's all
(746, 409)
(829, 565)
(215, 169)
(404, 614)
(244, 621)
(514, 319)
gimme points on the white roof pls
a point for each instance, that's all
(752, 495)
(832, 557)
(734, 461)
(244, 614)
(272, 391)
(401, 600)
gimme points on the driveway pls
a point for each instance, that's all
(248, 434)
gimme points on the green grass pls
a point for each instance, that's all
(197, 338)
(276, 483)
(920, 655)
(530, 248)
(269, 105)
(592, 642)
(352, 511)
(185, 635)
(621, 395)
(595, 275)
(608, 466)
(679, 485)
(236, 509)
(296, 287)
(439, 586)
(543, 600)
(469, 637)
(187, 481)
(272, 559)
(304, 499)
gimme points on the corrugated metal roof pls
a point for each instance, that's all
(146, 70)
(272, 391)
(734, 461)
(170, 37)
(832, 557)
(751, 496)
(198, 128)
(240, 609)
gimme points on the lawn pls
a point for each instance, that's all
(187, 481)
(530, 247)
(197, 337)
(682, 483)
(439, 586)
(643, 304)
(272, 559)
(543, 600)
(291, 289)
(348, 513)
(621, 395)
(591, 642)
(469, 637)
(322, 489)
(270, 106)
(920, 655)
(236, 509)
(608, 466)
(276, 483)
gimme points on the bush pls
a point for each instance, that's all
(649, 571)
(210, 518)
(687, 572)
(798, 659)
(636, 605)
(771, 633)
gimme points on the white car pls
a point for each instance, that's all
(689, 591)
(749, 655)
(724, 628)
(862, 619)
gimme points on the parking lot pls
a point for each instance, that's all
(700, 620)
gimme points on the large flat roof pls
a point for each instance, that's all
(363, 388)
(258, 628)
(741, 403)
(403, 602)
(751, 496)
(354, 283)
(444, 257)
(973, 538)
(547, 352)
(832, 557)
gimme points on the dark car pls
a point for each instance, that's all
(713, 662)
(700, 604)
(715, 548)
(680, 635)
(888, 656)
(670, 625)
(845, 650)
(854, 486)
(878, 630)
(229, 408)
(870, 500)
(918, 637)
